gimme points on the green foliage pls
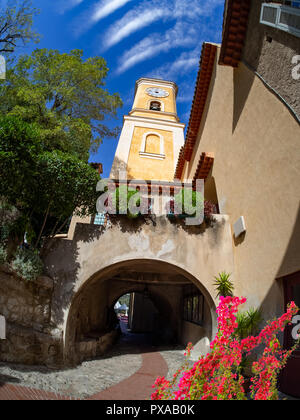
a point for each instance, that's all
(223, 285)
(65, 96)
(19, 149)
(125, 300)
(16, 19)
(39, 183)
(121, 198)
(248, 322)
(3, 254)
(187, 200)
(27, 264)
(76, 181)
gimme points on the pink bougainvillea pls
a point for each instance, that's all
(218, 375)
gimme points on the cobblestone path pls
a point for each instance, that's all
(126, 373)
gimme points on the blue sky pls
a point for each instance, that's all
(153, 38)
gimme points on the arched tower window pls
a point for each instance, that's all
(155, 106)
(152, 144)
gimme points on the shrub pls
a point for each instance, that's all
(217, 376)
(186, 202)
(3, 254)
(248, 322)
(121, 198)
(27, 264)
(223, 285)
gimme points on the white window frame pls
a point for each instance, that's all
(145, 154)
(278, 25)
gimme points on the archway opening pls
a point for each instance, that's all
(144, 320)
(160, 306)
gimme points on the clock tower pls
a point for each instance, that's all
(152, 135)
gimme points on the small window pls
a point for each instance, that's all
(155, 106)
(193, 302)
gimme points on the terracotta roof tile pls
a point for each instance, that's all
(207, 62)
(180, 164)
(234, 31)
(204, 167)
(202, 87)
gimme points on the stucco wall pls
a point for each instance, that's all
(194, 252)
(140, 167)
(255, 141)
(273, 60)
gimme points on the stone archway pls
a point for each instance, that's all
(91, 255)
(88, 331)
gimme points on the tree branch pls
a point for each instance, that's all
(43, 226)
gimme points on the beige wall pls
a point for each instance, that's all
(255, 141)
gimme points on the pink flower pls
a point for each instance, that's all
(215, 376)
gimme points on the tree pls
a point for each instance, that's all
(43, 184)
(20, 147)
(66, 186)
(16, 19)
(65, 96)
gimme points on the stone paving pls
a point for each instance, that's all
(131, 356)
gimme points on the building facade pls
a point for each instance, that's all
(246, 115)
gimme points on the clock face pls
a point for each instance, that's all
(157, 92)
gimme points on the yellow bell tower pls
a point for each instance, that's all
(152, 135)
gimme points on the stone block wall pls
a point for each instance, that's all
(26, 307)
(91, 348)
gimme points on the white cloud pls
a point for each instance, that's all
(184, 63)
(105, 8)
(150, 11)
(179, 36)
(68, 4)
(133, 21)
(97, 12)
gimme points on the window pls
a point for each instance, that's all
(101, 219)
(152, 146)
(284, 16)
(193, 302)
(155, 106)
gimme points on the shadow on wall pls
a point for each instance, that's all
(290, 264)
(119, 166)
(291, 257)
(243, 80)
(269, 52)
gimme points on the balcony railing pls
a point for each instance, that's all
(285, 17)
